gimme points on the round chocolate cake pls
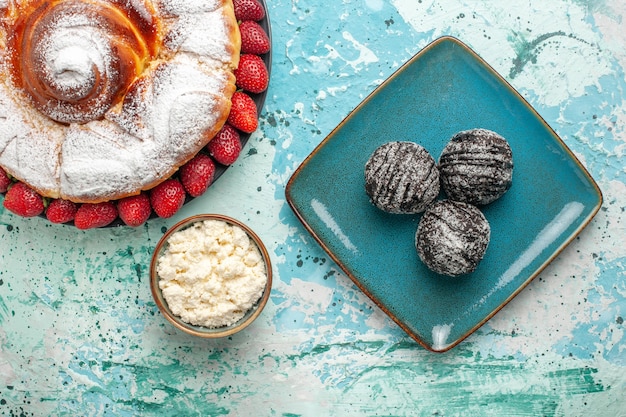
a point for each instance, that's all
(452, 237)
(476, 167)
(401, 177)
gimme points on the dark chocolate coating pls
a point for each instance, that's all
(401, 178)
(452, 237)
(476, 167)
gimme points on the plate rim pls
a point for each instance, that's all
(583, 224)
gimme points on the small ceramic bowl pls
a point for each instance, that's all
(201, 331)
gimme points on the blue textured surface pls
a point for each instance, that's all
(81, 336)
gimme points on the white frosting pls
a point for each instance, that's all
(71, 67)
(135, 145)
(187, 7)
(74, 50)
(200, 34)
(28, 145)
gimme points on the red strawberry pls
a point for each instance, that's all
(254, 39)
(252, 74)
(248, 10)
(167, 198)
(91, 215)
(134, 210)
(243, 113)
(226, 145)
(5, 181)
(197, 174)
(23, 200)
(61, 211)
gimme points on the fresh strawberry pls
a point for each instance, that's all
(197, 174)
(167, 198)
(23, 200)
(243, 113)
(5, 181)
(225, 147)
(248, 10)
(254, 39)
(134, 210)
(252, 74)
(91, 215)
(61, 211)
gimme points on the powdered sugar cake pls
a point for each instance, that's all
(101, 100)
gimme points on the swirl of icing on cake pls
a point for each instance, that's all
(178, 56)
(76, 59)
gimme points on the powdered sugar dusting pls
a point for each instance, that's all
(171, 112)
(74, 64)
(476, 167)
(69, 69)
(452, 237)
(75, 32)
(112, 155)
(29, 153)
(166, 115)
(192, 33)
(188, 7)
(162, 124)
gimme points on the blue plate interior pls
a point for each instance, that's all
(443, 89)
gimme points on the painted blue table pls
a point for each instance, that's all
(80, 334)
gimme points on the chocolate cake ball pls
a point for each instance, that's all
(452, 237)
(401, 177)
(476, 167)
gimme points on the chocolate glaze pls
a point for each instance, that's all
(452, 237)
(401, 178)
(476, 167)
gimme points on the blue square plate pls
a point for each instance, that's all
(443, 89)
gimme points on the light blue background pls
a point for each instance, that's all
(80, 334)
